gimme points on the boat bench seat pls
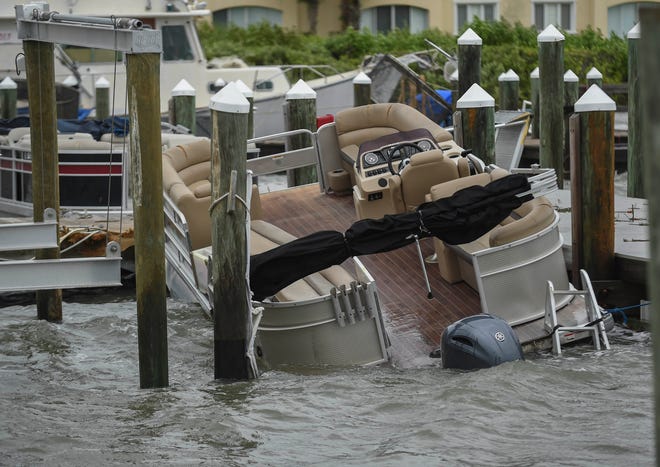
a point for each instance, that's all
(455, 261)
(357, 125)
(186, 171)
(265, 236)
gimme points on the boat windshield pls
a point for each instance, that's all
(176, 45)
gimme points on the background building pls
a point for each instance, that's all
(327, 16)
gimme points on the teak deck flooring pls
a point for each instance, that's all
(414, 322)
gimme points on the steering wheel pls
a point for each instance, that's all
(403, 153)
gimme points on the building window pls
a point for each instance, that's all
(559, 14)
(466, 11)
(245, 16)
(621, 18)
(386, 18)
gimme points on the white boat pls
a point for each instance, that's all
(182, 58)
(336, 316)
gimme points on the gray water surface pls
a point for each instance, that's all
(69, 395)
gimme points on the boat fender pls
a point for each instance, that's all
(479, 341)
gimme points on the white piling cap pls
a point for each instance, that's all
(70, 81)
(550, 34)
(534, 73)
(244, 88)
(594, 100)
(570, 77)
(454, 75)
(594, 73)
(230, 100)
(509, 75)
(634, 33)
(8, 83)
(475, 97)
(469, 37)
(362, 78)
(102, 83)
(300, 90)
(183, 88)
(220, 83)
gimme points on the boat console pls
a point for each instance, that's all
(394, 172)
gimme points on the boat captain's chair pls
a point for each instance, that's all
(424, 170)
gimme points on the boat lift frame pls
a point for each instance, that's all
(141, 46)
(35, 22)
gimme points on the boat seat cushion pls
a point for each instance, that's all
(531, 217)
(265, 236)
(357, 125)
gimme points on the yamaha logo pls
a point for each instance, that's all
(499, 336)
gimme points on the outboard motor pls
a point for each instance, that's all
(479, 341)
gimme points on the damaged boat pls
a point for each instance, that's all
(355, 270)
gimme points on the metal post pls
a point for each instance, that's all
(40, 68)
(231, 310)
(183, 105)
(596, 184)
(361, 90)
(478, 121)
(551, 100)
(143, 78)
(301, 114)
(635, 160)
(469, 61)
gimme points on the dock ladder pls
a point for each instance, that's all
(594, 325)
(31, 274)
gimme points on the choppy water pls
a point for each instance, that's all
(69, 395)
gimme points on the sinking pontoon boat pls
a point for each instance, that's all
(375, 161)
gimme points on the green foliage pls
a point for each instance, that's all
(505, 46)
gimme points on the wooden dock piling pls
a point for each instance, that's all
(301, 114)
(509, 90)
(40, 68)
(536, 111)
(469, 61)
(551, 100)
(231, 309)
(594, 77)
(8, 96)
(183, 105)
(361, 90)
(249, 95)
(102, 98)
(571, 95)
(143, 78)
(594, 155)
(635, 160)
(649, 70)
(477, 109)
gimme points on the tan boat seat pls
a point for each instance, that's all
(531, 217)
(265, 236)
(186, 172)
(365, 123)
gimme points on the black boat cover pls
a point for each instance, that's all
(461, 218)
